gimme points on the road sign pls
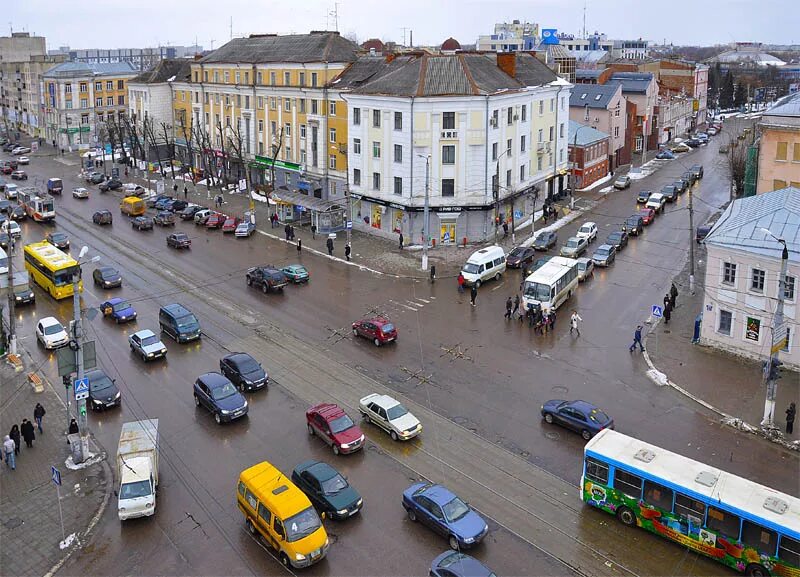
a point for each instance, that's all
(657, 311)
(81, 388)
(55, 475)
(350, 224)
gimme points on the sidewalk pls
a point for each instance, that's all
(30, 526)
(731, 385)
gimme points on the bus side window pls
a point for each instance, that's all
(596, 471)
(658, 495)
(241, 488)
(763, 540)
(723, 522)
(628, 484)
(277, 524)
(264, 514)
(789, 551)
(251, 500)
(689, 508)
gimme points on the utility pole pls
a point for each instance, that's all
(12, 333)
(772, 366)
(496, 197)
(83, 424)
(691, 242)
(426, 232)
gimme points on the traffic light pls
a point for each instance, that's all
(775, 369)
(82, 409)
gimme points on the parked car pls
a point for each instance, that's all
(95, 177)
(11, 227)
(634, 225)
(604, 255)
(588, 230)
(648, 215)
(693, 142)
(132, 189)
(379, 330)
(579, 416)
(24, 160)
(216, 393)
(622, 181)
(142, 223)
(21, 150)
(118, 309)
(110, 184)
(103, 391)
(681, 147)
(58, 240)
(164, 218)
(216, 220)
(585, 268)
(243, 371)
(179, 240)
(6, 169)
(296, 273)
(189, 212)
(230, 224)
(107, 277)
(177, 205)
(267, 277)
(390, 415)
(80, 192)
(670, 192)
(103, 217)
(147, 345)
(697, 170)
(19, 175)
(702, 231)
(457, 564)
(618, 239)
(331, 424)
(657, 202)
(244, 229)
(161, 202)
(545, 240)
(201, 216)
(574, 247)
(643, 196)
(327, 489)
(520, 257)
(442, 510)
(51, 333)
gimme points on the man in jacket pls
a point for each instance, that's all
(8, 451)
(27, 432)
(38, 415)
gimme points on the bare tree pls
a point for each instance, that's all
(206, 153)
(170, 145)
(189, 142)
(151, 139)
(735, 163)
(276, 150)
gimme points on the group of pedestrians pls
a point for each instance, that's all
(669, 303)
(27, 432)
(288, 230)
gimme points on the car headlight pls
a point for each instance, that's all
(341, 512)
(117, 396)
(469, 540)
(245, 404)
(150, 354)
(299, 557)
(96, 402)
(358, 503)
(18, 298)
(225, 412)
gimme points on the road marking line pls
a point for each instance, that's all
(423, 300)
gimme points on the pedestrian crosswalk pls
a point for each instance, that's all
(398, 306)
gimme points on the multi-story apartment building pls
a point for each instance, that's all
(779, 146)
(588, 154)
(641, 89)
(602, 106)
(676, 77)
(23, 61)
(592, 43)
(141, 58)
(79, 98)
(274, 98)
(457, 129)
(512, 36)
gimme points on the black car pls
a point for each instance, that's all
(670, 192)
(682, 185)
(634, 225)
(107, 277)
(243, 371)
(103, 217)
(643, 196)
(177, 205)
(179, 240)
(520, 257)
(702, 231)
(618, 239)
(689, 177)
(110, 184)
(457, 564)
(545, 240)
(327, 489)
(189, 212)
(9, 146)
(693, 142)
(18, 213)
(217, 394)
(5, 206)
(697, 169)
(96, 177)
(103, 392)
(142, 223)
(5, 240)
(269, 278)
(58, 239)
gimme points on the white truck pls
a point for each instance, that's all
(137, 469)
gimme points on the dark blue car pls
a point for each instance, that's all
(163, 203)
(217, 394)
(445, 513)
(457, 564)
(118, 309)
(580, 416)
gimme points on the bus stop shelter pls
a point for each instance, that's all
(326, 215)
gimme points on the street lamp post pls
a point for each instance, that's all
(425, 232)
(496, 194)
(778, 339)
(348, 223)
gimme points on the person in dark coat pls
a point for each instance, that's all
(27, 432)
(473, 294)
(673, 293)
(299, 245)
(73, 427)
(14, 434)
(667, 301)
(637, 338)
(185, 192)
(516, 306)
(667, 314)
(329, 244)
(505, 229)
(401, 241)
(313, 231)
(347, 251)
(38, 415)
(509, 306)
(790, 413)
(286, 231)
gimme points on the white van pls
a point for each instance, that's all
(486, 263)
(11, 191)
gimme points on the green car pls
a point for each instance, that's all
(296, 273)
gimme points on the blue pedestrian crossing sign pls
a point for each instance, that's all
(657, 311)
(81, 388)
(55, 475)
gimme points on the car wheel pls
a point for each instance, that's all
(393, 435)
(756, 570)
(627, 516)
(497, 276)
(355, 332)
(196, 401)
(144, 357)
(218, 418)
(548, 418)
(377, 342)
(586, 435)
(250, 527)
(453, 543)
(285, 560)
(264, 288)
(335, 449)
(249, 281)
(412, 516)
(478, 283)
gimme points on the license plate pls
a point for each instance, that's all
(238, 413)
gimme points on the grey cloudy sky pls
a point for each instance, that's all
(144, 23)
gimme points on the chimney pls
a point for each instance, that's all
(507, 62)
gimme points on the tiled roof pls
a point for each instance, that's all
(586, 134)
(367, 69)
(530, 70)
(167, 69)
(313, 47)
(739, 227)
(73, 69)
(595, 95)
(632, 82)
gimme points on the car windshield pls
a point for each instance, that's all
(602, 252)
(134, 490)
(181, 237)
(247, 366)
(585, 229)
(537, 291)
(223, 392)
(581, 265)
(341, 424)
(518, 252)
(334, 485)
(99, 382)
(615, 236)
(109, 273)
(186, 321)
(455, 510)
(151, 340)
(471, 268)
(396, 412)
(119, 307)
(53, 329)
(58, 237)
(387, 328)
(572, 243)
(302, 524)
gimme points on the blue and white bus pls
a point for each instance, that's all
(551, 284)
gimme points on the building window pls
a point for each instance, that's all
(510, 115)
(302, 78)
(508, 177)
(398, 121)
(109, 101)
(376, 118)
(273, 125)
(448, 187)
(524, 112)
(782, 151)
(84, 119)
(796, 152)
(302, 104)
(314, 107)
(509, 144)
(757, 280)
(332, 108)
(788, 288)
(357, 176)
(788, 339)
(522, 173)
(398, 185)
(302, 131)
(561, 130)
(287, 104)
(356, 146)
(356, 117)
(287, 78)
(638, 145)
(449, 154)
(616, 132)
(273, 78)
(98, 101)
(729, 273)
(332, 135)
(332, 162)
(541, 107)
(376, 180)
(551, 133)
(98, 86)
(398, 153)
(448, 120)
(68, 88)
(68, 104)
(495, 116)
(725, 322)
(110, 85)
(522, 143)
(539, 163)
(314, 79)
(260, 125)
(376, 149)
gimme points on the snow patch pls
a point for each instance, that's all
(91, 459)
(68, 541)
(658, 377)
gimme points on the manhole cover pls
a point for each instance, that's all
(553, 436)
(560, 389)
(13, 523)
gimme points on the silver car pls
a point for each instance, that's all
(574, 247)
(604, 255)
(147, 344)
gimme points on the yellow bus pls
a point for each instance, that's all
(51, 269)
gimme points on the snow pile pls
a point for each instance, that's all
(90, 460)
(658, 377)
(68, 541)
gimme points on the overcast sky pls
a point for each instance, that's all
(147, 23)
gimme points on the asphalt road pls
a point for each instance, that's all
(464, 363)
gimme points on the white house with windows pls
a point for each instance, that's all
(743, 267)
(460, 126)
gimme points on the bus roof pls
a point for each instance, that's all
(50, 255)
(275, 490)
(715, 484)
(551, 270)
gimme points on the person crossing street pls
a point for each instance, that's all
(509, 306)
(573, 323)
(637, 338)
(473, 294)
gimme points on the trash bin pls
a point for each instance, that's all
(74, 440)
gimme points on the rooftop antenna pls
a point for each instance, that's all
(212, 43)
(231, 27)
(584, 19)
(335, 14)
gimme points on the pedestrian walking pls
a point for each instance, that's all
(509, 306)
(286, 231)
(329, 244)
(185, 192)
(667, 301)
(347, 251)
(38, 415)
(8, 451)
(461, 281)
(573, 323)
(299, 245)
(672, 299)
(175, 188)
(516, 306)
(505, 229)
(637, 338)
(667, 314)
(27, 432)
(433, 273)
(552, 314)
(790, 412)
(401, 241)
(73, 427)
(673, 293)
(15, 436)
(473, 294)
(313, 231)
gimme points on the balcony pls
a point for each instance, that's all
(449, 135)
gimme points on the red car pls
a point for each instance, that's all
(230, 224)
(377, 329)
(216, 220)
(6, 169)
(647, 214)
(331, 424)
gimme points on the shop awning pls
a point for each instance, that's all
(306, 201)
